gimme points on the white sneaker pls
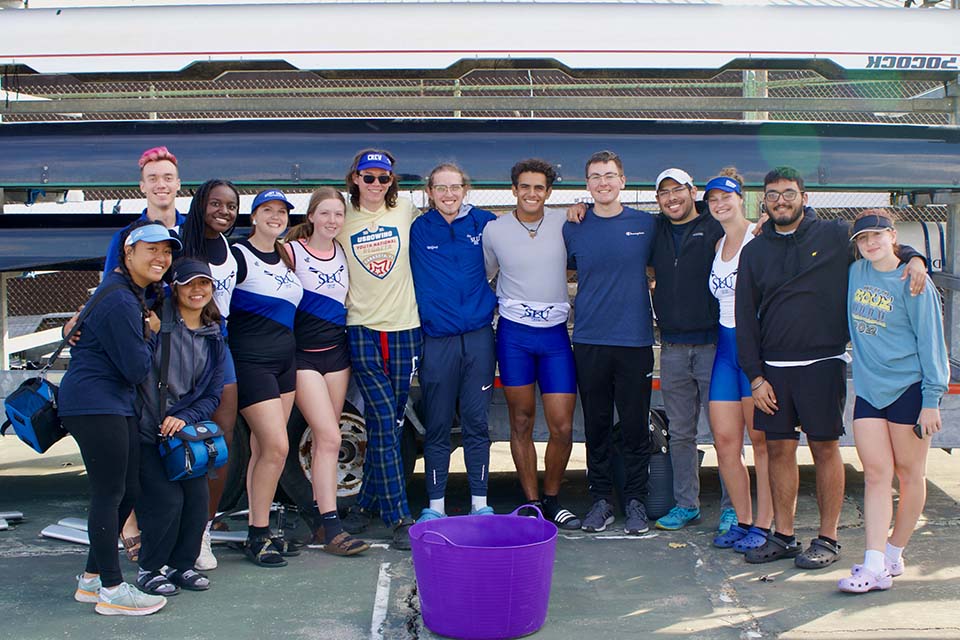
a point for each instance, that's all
(128, 601)
(206, 561)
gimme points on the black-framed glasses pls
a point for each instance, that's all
(788, 196)
(382, 179)
(666, 193)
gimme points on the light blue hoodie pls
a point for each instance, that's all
(897, 338)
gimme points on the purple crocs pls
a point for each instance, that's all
(754, 539)
(865, 580)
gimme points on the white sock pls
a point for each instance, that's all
(477, 502)
(873, 561)
(894, 554)
(438, 505)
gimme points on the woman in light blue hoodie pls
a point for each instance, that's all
(900, 373)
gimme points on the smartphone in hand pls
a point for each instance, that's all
(918, 431)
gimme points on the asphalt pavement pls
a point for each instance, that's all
(665, 584)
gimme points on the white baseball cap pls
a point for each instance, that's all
(681, 176)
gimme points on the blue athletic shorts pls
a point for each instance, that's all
(728, 382)
(229, 370)
(903, 410)
(531, 354)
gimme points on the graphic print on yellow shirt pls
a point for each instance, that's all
(377, 250)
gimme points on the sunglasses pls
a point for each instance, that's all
(382, 179)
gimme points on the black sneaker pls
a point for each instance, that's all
(560, 517)
(401, 534)
(636, 522)
(599, 516)
(357, 520)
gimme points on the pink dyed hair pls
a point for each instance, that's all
(155, 154)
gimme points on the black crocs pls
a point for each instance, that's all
(821, 553)
(773, 549)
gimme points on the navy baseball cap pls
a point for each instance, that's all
(375, 160)
(153, 233)
(723, 183)
(187, 269)
(267, 196)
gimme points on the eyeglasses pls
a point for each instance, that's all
(597, 177)
(444, 188)
(788, 196)
(666, 193)
(382, 179)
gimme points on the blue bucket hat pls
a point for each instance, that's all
(267, 196)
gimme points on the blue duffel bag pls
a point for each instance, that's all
(193, 451)
(32, 412)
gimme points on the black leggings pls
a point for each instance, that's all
(172, 515)
(110, 446)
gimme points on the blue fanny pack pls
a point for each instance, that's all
(194, 450)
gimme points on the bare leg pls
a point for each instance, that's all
(910, 460)
(761, 465)
(268, 452)
(522, 405)
(320, 400)
(784, 481)
(558, 411)
(830, 485)
(876, 456)
(226, 417)
(726, 422)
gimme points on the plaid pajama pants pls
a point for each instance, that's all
(383, 365)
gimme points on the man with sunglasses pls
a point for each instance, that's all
(791, 343)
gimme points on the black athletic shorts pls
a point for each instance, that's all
(809, 398)
(903, 410)
(257, 381)
(326, 361)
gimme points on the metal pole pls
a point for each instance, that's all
(4, 325)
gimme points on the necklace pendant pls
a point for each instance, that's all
(532, 232)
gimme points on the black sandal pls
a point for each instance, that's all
(773, 549)
(818, 555)
(284, 547)
(343, 544)
(189, 579)
(156, 584)
(261, 552)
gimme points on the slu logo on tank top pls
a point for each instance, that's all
(532, 313)
(225, 284)
(284, 280)
(377, 250)
(329, 280)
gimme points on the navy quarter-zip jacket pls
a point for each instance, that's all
(449, 276)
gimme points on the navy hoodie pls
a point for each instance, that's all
(791, 299)
(449, 277)
(110, 359)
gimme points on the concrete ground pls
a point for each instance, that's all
(604, 586)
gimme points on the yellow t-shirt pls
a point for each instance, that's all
(377, 246)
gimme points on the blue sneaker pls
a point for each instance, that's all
(731, 537)
(728, 518)
(754, 539)
(482, 511)
(678, 518)
(429, 514)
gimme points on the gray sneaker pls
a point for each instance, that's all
(599, 516)
(128, 601)
(636, 522)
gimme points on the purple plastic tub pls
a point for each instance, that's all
(484, 577)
